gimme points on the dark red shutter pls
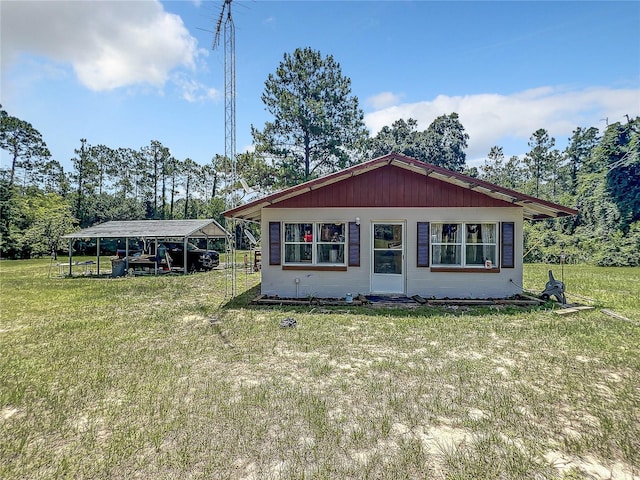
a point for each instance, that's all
(423, 244)
(274, 243)
(507, 247)
(354, 244)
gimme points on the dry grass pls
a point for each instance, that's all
(161, 378)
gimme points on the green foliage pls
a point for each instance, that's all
(401, 137)
(446, 142)
(318, 126)
(599, 176)
(539, 161)
(441, 144)
(8, 212)
(24, 143)
(622, 249)
(509, 174)
(48, 218)
(582, 143)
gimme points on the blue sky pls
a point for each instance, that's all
(123, 73)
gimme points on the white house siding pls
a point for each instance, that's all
(419, 280)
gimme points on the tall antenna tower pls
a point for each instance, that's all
(226, 29)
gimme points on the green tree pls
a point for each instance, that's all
(446, 141)
(49, 217)
(54, 179)
(9, 209)
(539, 161)
(401, 137)
(24, 143)
(507, 174)
(442, 143)
(578, 152)
(86, 179)
(172, 173)
(318, 126)
(190, 181)
(493, 167)
(621, 146)
(155, 156)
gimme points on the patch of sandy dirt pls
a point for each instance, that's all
(589, 466)
(7, 412)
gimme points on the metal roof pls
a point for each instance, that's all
(153, 229)
(533, 208)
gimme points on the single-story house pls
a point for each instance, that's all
(394, 226)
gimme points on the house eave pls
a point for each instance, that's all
(533, 208)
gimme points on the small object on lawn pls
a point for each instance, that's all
(572, 309)
(419, 299)
(289, 322)
(530, 297)
(615, 315)
(554, 287)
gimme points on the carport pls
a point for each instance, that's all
(146, 230)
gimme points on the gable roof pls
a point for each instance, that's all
(152, 229)
(476, 192)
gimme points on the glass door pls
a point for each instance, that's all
(387, 266)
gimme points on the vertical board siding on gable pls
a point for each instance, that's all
(349, 194)
(390, 187)
(275, 248)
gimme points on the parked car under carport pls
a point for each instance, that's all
(138, 237)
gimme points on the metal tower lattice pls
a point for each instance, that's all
(226, 28)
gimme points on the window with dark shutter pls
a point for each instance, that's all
(354, 244)
(274, 243)
(423, 244)
(507, 255)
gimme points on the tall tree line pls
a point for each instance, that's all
(40, 202)
(597, 174)
(317, 128)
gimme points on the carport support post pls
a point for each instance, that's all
(98, 253)
(70, 255)
(184, 255)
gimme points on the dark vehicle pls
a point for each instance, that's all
(168, 257)
(198, 259)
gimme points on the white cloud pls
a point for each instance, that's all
(489, 119)
(383, 100)
(193, 91)
(109, 44)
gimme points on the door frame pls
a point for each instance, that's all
(397, 285)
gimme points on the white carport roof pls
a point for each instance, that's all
(208, 228)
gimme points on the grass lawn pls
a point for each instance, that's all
(164, 377)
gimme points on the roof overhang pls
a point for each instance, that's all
(533, 208)
(208, 228)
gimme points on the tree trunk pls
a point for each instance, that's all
(307, 156)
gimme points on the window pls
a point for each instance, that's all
(446, 242)
(464, 244)
(314, 243)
